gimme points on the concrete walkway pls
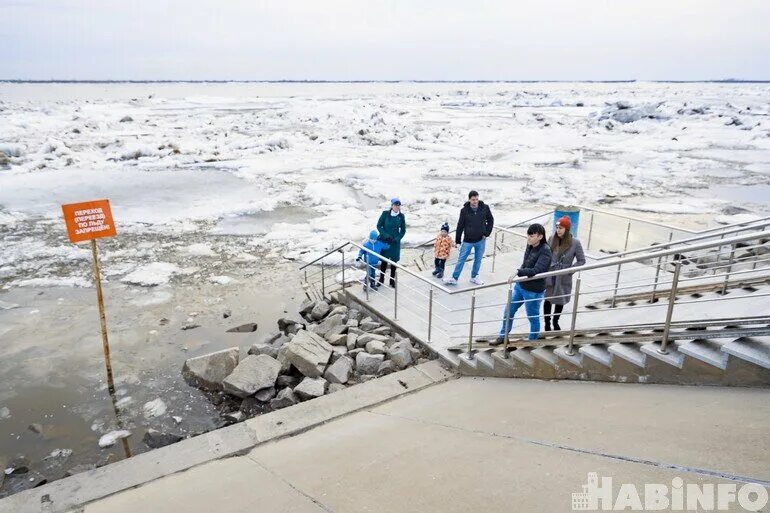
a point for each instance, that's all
(488, 445)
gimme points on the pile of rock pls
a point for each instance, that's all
(329, 347)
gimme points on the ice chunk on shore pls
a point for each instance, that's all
(154, 408)
(156, 273)
(110, 438)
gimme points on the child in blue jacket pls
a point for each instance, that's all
(372, 259)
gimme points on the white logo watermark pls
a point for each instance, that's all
(662, 497)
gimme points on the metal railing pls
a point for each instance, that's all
(429, 303)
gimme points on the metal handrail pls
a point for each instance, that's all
(635, 219)
(614, 262)
(744, 224)
(325, 255)
(663, 245)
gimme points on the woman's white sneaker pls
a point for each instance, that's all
(477, 281)
(450, 281)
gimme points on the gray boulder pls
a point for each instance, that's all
(309, 353)
(339, 310)
(249, 327)
(375, 347)
(266, 349)
(284, 398)
(284, 323)
(369, 325)
(306, 307)
(283, 358)
(286, 381)
(352, 323)
(327, 325)
(155, 439)
(334, 387)
(386, 367)
(208, 371)
(350, 341)
(338, 341)
(265, 394)
(400, 354)
(310, 388)
(335, 331)
(339, 371)
(368, 363)
(356, 331)
(254, 373)
(382, 330)
(320, 309)
(368, 337)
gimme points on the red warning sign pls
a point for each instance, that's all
(89, 220)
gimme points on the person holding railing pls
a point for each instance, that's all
(537, 260)
(473, 227)
(372, 257)
(567, 252)
(392, 227)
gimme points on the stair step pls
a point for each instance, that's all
(575, 359)
(707, 351)
(546, 355)
(752, 349)
(485, 358)
(473, 363)
(674, 357)
(629, 352)
(449, 357)
(507, 363)
(597, 352)
(524, 355)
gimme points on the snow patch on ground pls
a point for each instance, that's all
(156, 273)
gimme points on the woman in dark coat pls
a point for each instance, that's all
(392, 228)
(566, 252)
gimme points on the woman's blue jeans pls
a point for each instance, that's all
(531, 306)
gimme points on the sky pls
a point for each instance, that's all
(385, 39)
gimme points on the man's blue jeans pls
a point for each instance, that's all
(465, 251)
(518, 297)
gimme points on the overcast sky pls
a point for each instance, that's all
(385, 39)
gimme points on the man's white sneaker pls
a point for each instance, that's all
(477, 281)
(450, 281)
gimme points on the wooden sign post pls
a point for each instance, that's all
(89, 221)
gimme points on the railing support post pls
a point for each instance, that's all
(343, 270)
(628, 232)
(494, 251)
(655, 285)
(323, 279)
(670, 311)
(395, 297)
(470, 328)
(617, 282)
(729, 270)
(506, 351)
(590, 232)
(570, 348)
(430, 312)
(366, 278)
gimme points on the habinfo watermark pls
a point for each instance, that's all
(600, 495)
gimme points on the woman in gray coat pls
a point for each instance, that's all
(566, 252)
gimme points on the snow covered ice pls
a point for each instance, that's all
(288, 170)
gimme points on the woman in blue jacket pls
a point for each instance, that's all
(530, 293)
(392, 228)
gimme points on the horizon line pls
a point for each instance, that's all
(365, 81)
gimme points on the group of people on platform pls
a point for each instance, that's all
(474, 226)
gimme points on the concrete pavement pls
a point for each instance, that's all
(478, 444)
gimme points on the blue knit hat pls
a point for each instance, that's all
(395, 201)
(373, 234)
(445, 227)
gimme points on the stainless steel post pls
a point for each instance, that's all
(430, 312)
(570, 348)
(470, 329)
(395, 297)
(590, 232)
(628, 232)
(494, 251)
(617, 282)
(505, 321)
(343, 270)
(655, 285)
(729, 269)
(366, 280)
(670, 311)
(323, 279)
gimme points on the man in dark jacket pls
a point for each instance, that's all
(473, 228)
(537, 260)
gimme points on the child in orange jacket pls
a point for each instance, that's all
(441, 249)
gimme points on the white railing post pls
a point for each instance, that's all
(470, 328)
(570, 348)
(670, 311)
